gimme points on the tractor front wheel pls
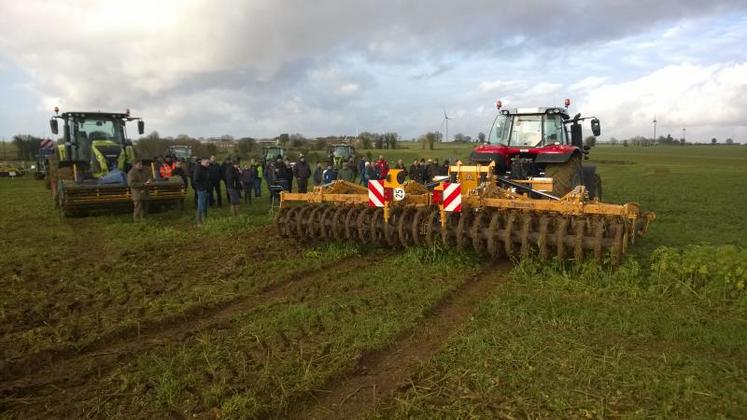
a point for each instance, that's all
(565, 176)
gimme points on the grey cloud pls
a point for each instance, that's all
(256, 59)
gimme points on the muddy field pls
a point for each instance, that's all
(103, 318)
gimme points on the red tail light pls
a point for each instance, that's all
(389, 194)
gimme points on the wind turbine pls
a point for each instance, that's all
(446, 122)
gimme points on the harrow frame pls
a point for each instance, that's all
(494, 221)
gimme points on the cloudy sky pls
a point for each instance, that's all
(262, 67)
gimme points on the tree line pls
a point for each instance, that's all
(667, 140)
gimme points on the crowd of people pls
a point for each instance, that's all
(245, 181)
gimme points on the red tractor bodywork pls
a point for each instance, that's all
(502, 155)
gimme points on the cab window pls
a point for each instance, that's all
(527, 131)
(554, 132)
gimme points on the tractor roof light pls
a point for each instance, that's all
(56, 110)
(567, 102)
(498, 104)
(127, 112)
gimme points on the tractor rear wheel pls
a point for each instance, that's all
(565, 176)
(594, 186)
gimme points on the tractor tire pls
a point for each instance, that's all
(594, 187)
(565, 176)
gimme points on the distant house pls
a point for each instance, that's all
(223, 145)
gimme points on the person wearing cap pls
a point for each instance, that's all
(302, 171)
(138, 180)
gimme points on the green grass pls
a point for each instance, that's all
(661, 336)
(536, 350)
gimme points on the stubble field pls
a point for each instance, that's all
(101, 317)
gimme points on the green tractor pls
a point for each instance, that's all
(341, 153)
(271, 153)
(181, 152)
(88, 170)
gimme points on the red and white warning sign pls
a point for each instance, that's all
(375, 193)
(46, 144)
(452, 197)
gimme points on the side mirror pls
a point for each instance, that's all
(53, 126)
(141, 127)
(595, 128)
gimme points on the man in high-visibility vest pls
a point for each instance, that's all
(167, 167)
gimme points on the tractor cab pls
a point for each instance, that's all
(181, 152)
(272, 153)
(98, 138)
(340, 153)
(531, 128)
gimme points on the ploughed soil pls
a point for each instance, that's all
(90, 301)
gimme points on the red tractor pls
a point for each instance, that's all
(531, 145)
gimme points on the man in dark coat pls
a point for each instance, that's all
(215, 179)
(362, 170)
(318, 172)
(302, 172)
(444, 168)
(248, 177)
(288, 173)
(233, 187)
(202, 185)
(180, 172)
(223, 168)
(423, 171)
(414, 171)
(329, 174)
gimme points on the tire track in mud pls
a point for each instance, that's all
(380, 374)
(74, 368)
(11, 369)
